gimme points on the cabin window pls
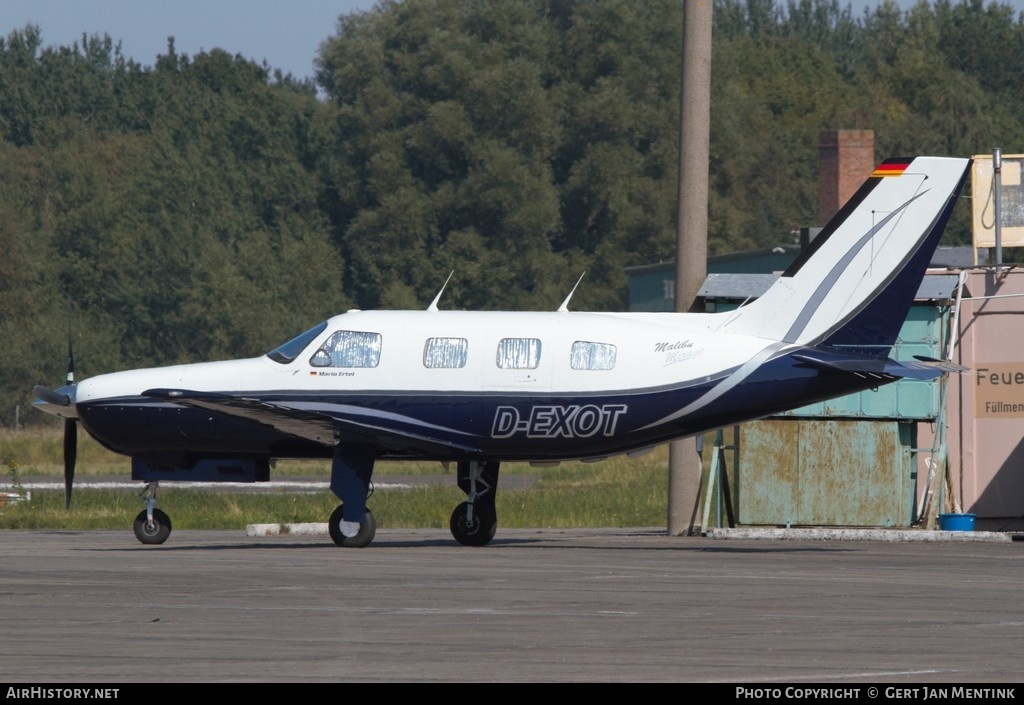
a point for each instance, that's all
(445, 352)
(592, 356)
(349, 348)
(518, 353)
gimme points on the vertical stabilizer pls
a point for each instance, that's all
(854, 285)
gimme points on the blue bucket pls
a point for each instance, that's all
(956, 522)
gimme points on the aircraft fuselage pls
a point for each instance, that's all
(570, 385)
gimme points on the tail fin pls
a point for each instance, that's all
(856, 283)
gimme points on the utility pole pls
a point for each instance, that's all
(692, 235)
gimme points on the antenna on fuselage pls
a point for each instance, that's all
(565, 304)
(433, 304)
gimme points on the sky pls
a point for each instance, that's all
(286, 34)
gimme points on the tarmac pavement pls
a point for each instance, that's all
(793, 608)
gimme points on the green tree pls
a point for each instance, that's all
(209, 206)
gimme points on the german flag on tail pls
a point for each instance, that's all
(891, 167)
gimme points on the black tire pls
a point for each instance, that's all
(367, 530)
(155, 532)
(480, 531)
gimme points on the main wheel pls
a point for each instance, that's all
(477, 532)
(367, 530)
(155, 531)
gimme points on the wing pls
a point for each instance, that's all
(315, 424)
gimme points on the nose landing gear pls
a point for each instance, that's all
(152, 526)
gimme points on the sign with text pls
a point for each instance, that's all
(1011, 200)
(999, 390)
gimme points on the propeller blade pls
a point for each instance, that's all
(70, 379)
(51, 397)
(70, 453)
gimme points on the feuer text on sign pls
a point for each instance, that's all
(999, 390)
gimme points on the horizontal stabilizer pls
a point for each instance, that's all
(863, 366)
(919, 368)
(943, 365)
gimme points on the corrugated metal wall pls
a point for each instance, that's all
(851, 461)
(826, 472)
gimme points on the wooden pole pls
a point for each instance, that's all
(691, 240)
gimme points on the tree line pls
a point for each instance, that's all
(207, 207)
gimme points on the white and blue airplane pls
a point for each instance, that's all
(478, 388)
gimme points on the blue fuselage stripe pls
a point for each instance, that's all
(503, 426)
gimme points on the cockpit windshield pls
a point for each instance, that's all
(291, 350)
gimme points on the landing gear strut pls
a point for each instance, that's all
(352, 525)
(152, 526)
(475, 521)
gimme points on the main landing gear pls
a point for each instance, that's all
(352, 525)
(152, 526)
(474, 522)
(364, 530)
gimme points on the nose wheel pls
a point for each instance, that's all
(152, 526)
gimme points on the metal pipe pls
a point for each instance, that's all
(997, 168)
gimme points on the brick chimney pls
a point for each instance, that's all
(846, 158)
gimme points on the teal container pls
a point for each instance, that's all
(956, 522)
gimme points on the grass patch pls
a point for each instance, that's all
(40, 451)
(613, 493)
(618, 492)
